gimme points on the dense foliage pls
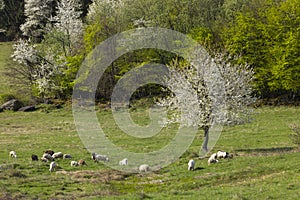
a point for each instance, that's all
(263, 34)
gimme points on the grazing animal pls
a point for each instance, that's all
(213, 159)
(144, 168)
(124, 162)
(74, 163)
(53, 166)
(67, 156)
(47, 157)
(81, 162)
(57, 155)
(97, 157)
(191, 165)
(222, 154)
(49, 152)
(13, 154)
(34, 157)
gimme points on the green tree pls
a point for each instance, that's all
(267, 38)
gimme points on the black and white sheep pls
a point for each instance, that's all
(97, 157)
(47, 157)
(57, 155)
(222, 154)
(67, 156)
(13, 154)
(74, 163)
(213, 159)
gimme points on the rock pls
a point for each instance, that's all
(13, 104)
(27, 109)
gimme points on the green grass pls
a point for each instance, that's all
(265, 165)
(5, 52)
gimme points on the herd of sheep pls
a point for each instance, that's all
(50, 156)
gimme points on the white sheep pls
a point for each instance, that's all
(67, 156)
(13, 154)
(213, 159)
(53, 166)
(191, 165)
(57, 155)
(47, 156)
(124, 162)
(144, 168)
(74, 163)
(222, 154)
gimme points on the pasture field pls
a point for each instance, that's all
(265, 163)
(5, 52)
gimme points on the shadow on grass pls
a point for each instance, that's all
(199, 168)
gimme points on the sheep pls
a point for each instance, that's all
(44, 159)
(81, 162)
(222, 154)
(49, 152)
(144, 168)
(53, 166)
(13, 154)
(34, 157)
(213, 159)
(124, 162)
(97, 157)
(191, 165)
(67, 156)
(47, 156)
(57, 155)
(74, 163)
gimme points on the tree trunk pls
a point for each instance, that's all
(205, 142)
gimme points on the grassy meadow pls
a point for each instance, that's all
(265, 163)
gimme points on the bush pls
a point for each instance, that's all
(6, 97)
(295, 136)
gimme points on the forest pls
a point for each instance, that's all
(53, 37)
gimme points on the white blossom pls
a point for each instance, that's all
(68, 21)
(37, 13)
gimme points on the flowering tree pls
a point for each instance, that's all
(50, 41)
(68, 23)
(223, 98)
(38, 13)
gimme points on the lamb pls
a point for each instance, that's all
(47, 157)
(213, 159)
(67, 156)
(191, 165)
(57, 155)
(13, 154)
(144, 168)
(53, 166)
(74, 163)
(124, 162)
(34, 157)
